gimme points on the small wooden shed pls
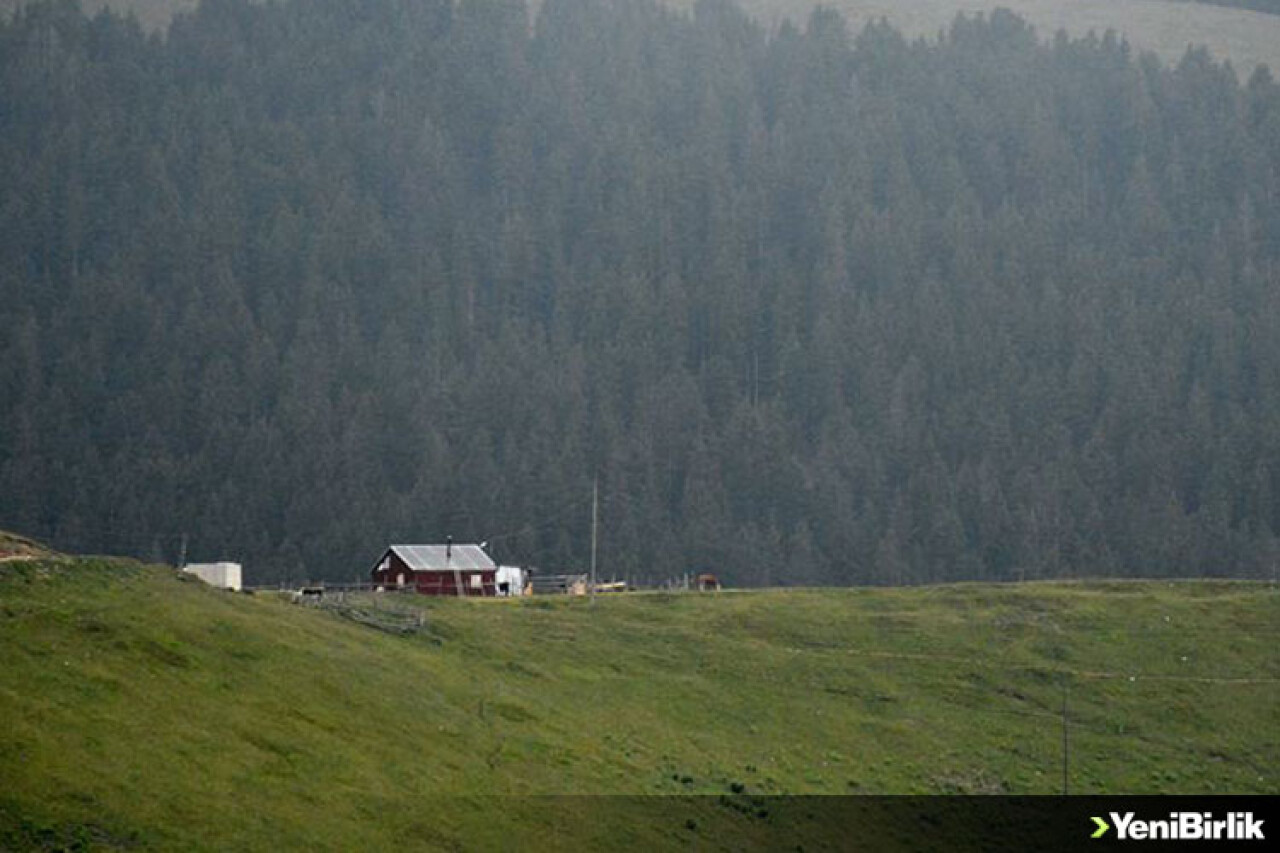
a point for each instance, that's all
(449, 569)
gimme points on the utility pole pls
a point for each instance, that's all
(182, 555)
(595, 521)
(1066, 743)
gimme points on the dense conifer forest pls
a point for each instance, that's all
(299, 279)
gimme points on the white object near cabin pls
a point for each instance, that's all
(514, 577)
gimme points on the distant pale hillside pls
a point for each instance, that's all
(152, 14)
(1167, 28)
(1269, 6)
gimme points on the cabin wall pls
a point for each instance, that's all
(396, 574)
(446, 583)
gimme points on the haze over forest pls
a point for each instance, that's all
(816, 305)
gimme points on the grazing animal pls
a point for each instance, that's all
(308, 594)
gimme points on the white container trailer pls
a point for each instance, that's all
(223, 575)
(511, 580)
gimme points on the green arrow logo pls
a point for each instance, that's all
(1102, 827)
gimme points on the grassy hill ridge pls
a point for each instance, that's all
(15, 547)
(145, 709)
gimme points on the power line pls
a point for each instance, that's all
(533, 527)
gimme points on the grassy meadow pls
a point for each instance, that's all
(145, 710)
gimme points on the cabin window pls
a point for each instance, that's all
(476, 582)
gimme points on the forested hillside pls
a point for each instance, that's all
(304, 278)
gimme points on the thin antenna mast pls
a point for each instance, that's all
(595, 522)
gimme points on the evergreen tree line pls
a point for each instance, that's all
(300, 279)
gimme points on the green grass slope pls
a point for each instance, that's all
(145, 710)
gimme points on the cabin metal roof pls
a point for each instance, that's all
(431, 558)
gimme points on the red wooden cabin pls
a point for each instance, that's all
(437, 570)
